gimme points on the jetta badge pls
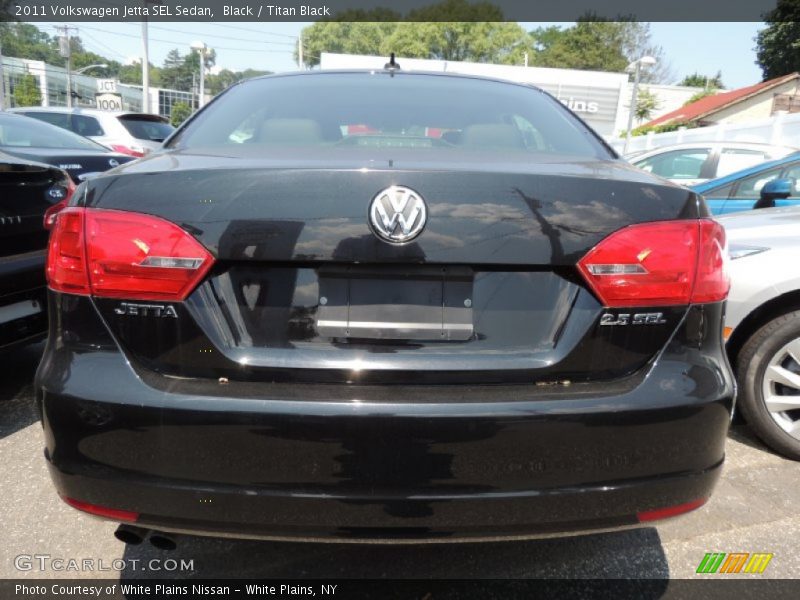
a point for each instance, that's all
(398, 214)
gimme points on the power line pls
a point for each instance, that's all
(221, 37)
(172, 42)
(102, 45)
(284, 35)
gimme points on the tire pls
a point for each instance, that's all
(769, 365)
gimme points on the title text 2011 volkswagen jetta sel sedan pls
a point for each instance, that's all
(384, 305)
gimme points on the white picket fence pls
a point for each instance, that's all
(782, 129)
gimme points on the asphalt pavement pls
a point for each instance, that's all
(754, 509)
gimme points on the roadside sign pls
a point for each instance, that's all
(107, 86)
(109, 101)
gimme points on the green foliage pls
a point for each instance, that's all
(777, 47)
(593, 45)
(226, 78)
(600, 45)
(26, 91)
(700, 95)
(503, 43)
(179, 113)
(646, 104)
(703, 81)
(439, 31)
(671, 126)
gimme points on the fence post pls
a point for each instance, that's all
(679, 138)
(776, 134)
(721, 128)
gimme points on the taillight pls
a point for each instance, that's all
(124, 255)
(115, 514)
(670, 511)
(136, 151)
(66, 256)
(659, 264)
(61, 192)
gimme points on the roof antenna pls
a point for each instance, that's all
(392, 65)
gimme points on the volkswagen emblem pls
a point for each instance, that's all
(397, 214)
(113, 162)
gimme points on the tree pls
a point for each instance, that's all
(637, 42)
(502, 43)
(600, 45)
(221, 81)
(703, 81)
(181, 72)
(450, 30)
(777, 47)
(346, 37)
(28, 41)
(179, 113)
(26, 91)
(591, 45)
(646, 104)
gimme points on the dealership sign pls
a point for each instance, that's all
(580, 106)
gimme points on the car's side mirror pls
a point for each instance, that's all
(777, 189)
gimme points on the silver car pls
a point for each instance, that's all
(763, 322)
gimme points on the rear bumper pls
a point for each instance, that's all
(225, 511)
(360, 463)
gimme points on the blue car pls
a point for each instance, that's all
(773, 183)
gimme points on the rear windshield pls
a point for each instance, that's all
(383, 111)
(23, 132)
(143, 128)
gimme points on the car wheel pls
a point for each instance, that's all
(768, 373)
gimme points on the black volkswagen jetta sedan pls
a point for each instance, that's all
(384, 305)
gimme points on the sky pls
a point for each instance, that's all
(689, 47)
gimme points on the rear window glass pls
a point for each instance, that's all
(22, 132)
(382, 111)
(678, 164)
(736, 159)
(147, 129)
(84, 125)
(57, 119)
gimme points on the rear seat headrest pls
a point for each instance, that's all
(290, 132)
(492, 135)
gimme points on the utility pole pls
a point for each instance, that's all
(636, 66)
(2, 81)
(146, 59)
(300, 51)
(65, 49)
(202, 101)
(145, 68)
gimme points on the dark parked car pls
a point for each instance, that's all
(38, 141)
(384, 305)
(30, 195)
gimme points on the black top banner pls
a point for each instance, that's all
(399, 10)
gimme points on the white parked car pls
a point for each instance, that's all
(131, 133)
(689, 164)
